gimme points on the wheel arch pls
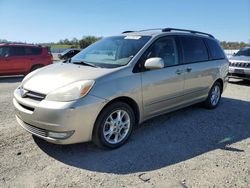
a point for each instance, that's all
(219, 80)
(128, 100)
(36, 65)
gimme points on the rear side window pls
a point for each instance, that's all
(214, 49)
(194, 49)
(17, 51)
(32, 51)
(36, 51)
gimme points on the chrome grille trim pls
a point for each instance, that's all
(239, 64)
(35, 96)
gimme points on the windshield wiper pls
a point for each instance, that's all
(84, 63)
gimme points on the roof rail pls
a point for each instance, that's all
(150, 29)
(142, 30)
(186, 30)
(127, 32)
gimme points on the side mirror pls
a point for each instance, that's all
(154, 63)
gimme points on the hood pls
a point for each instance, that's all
(239, 58)
(57, 75)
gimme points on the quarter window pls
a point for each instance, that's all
(194, 49)
(215, 50)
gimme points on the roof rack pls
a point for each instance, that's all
(172, 29)
(186, 30)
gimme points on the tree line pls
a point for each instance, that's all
(74, 43)
(233, 45)
(82, 43)
(86, 41)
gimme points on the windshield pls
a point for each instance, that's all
(243, 52)
(111, 52)
(66, 51)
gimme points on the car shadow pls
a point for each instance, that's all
(240, 82)
(163, 141)
(11, 79)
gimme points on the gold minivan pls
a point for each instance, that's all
(102, 92)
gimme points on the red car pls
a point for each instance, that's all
(20, 59)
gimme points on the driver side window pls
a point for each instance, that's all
(4, 51)
(164, 48)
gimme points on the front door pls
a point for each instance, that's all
(13, 60)
(5, 66)
(162, 89)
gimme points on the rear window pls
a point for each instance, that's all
(194, 49)
(215, 50)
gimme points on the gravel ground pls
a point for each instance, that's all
(192, 147)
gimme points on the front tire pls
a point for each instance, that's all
(214, 96)
(114, 125)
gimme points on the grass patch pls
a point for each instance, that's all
(63, 46)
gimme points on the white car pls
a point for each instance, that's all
(239, 66)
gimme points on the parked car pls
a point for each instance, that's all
(239, 66)
(69, 53)
(101, 96)
(20, 59)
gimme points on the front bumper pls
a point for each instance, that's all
(75, 118)
(238, 72)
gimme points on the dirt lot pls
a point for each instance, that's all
(193, 147)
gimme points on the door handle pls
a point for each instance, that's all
(178, 71)
(189, 69)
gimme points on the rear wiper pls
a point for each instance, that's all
(84, 63)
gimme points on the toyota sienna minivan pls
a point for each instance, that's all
(118, 82)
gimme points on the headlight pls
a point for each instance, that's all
(71, 92)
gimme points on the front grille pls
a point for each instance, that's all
(35, 96)
(240, 64)
(34, 130)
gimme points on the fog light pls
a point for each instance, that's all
(60, 135)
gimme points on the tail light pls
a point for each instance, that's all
(48, 51)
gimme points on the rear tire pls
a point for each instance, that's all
(214, 96)
(113, 125)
